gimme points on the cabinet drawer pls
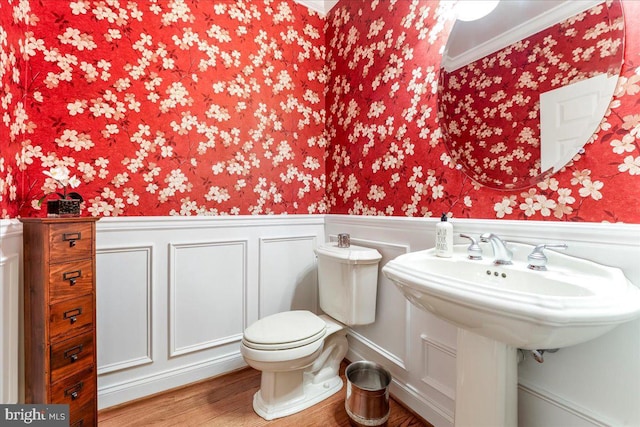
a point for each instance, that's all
(77, 391)
(70, 280)
(69, 317)
(70, 241)
(85, 417)
(71, 356)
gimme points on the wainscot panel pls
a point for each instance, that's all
(177, 292)
(11, 343)
(288, 274)
(204, 302)
(124, 324)
(602, 375)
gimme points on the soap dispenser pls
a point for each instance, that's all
(444, 237)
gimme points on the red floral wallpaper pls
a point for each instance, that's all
(491, 115)
(185, 107)
(387, 156)
(11, 107)
(174, 107)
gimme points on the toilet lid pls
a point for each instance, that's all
(285, 330)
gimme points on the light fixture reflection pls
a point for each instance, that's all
(470, 10)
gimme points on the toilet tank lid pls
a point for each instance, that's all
(351, 255)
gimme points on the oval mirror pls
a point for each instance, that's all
(523, 89)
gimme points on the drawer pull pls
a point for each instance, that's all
(72, 315)
(72, 276)
(71, 238)
(74, 391)
(73, 352)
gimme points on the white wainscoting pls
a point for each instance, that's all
(602, 375)
(10, 310)
(287, 261)
(176, 293)
(206, 296)
(124, 307)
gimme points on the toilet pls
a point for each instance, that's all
(299, 352)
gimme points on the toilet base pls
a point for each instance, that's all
(313, 393)
(290, 386)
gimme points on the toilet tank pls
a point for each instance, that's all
(348, 283)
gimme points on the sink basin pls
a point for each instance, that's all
(500, 308)
(574, 301)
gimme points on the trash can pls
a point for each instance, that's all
(367, 401)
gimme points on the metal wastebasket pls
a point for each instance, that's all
(367, 401)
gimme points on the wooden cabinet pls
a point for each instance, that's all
(60, 319)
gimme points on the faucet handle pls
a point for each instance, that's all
(474, 251)
(538, 260)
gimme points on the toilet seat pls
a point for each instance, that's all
(283, 331)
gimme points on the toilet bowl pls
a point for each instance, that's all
(299, 352)
(300, 370)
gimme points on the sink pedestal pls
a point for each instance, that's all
(572, 302)
(487, 382)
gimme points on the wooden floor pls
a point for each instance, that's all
(227, 401)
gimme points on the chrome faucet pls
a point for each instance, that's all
(501, 253)
(474, 251)
(538, 260)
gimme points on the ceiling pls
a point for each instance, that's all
(510, 21)
(321, 6)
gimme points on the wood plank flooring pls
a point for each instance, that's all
(227, 401)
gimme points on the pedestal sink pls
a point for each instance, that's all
(500, 308)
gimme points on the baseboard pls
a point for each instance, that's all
(413, 400)
(137, 388)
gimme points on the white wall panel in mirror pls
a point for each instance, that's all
(123, 294)
(288, 275)
(207, 287)
(567, 112)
